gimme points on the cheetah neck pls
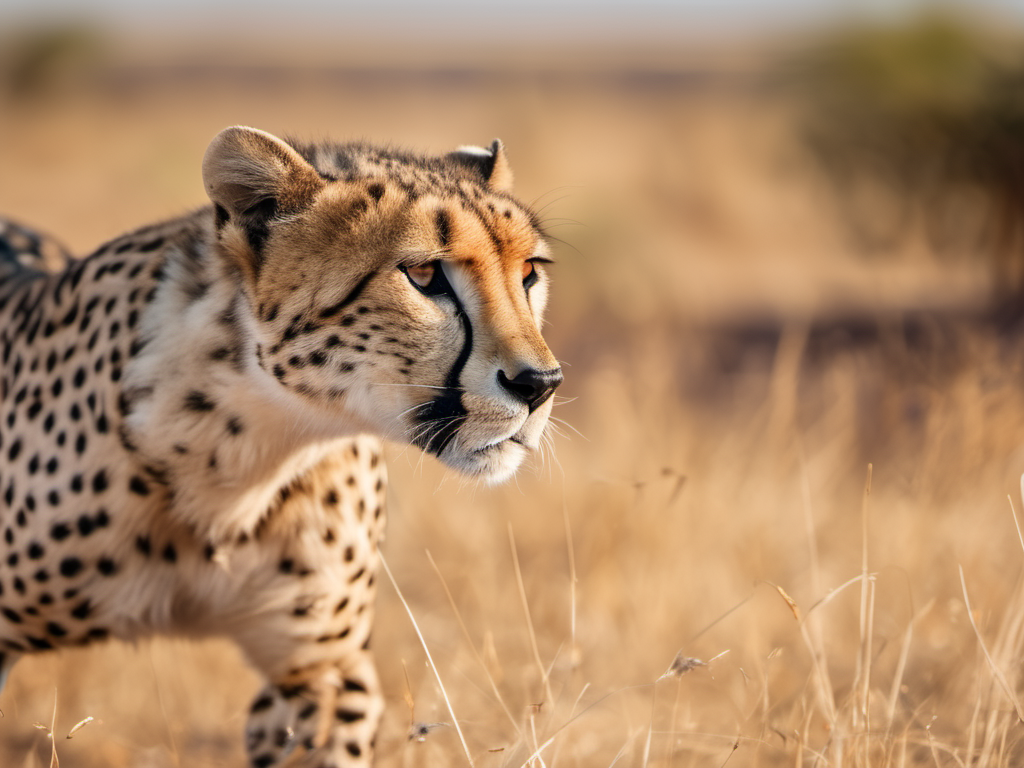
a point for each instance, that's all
(200, 407)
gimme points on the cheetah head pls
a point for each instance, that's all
(391, 293)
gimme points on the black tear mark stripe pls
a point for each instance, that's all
(350, 297)
(443, 415)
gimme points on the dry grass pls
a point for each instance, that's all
(699, 574)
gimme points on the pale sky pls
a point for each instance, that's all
(541, 18)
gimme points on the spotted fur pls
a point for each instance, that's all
(191, 416)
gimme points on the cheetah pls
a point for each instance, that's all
(192, 415)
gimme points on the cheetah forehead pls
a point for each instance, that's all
(469, 173)
(451, 205)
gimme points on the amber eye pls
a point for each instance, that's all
(530, 274)
(422, 274)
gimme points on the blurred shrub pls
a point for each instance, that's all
(47, 61)
(923, 120)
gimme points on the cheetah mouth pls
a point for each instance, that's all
(497, 445)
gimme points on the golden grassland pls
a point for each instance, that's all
(737, 552)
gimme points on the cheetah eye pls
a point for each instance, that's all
(530, 274)
(421, 274)
(427, 278)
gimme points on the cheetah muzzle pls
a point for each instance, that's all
(192, 415)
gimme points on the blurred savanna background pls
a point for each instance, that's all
(778, 525)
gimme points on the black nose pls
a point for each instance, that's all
(531, 386)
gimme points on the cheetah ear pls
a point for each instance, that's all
(251, 176)
(491, 163)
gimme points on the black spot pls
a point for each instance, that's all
(308, 711)
(142, 544)
(106, 566)
(35, 550)
(54, 498)
(85, 525)
(80, 443)
(353, 749)
(348, 715)
(263, 761)
(235, 425)
(70, 566)
(331, 497)
(138, 485)
(39, 643)
(60, 531)
(261, 704)
(198, 401)
(52, 465)
(100, 482)
(55, 629)
(376, 191)
(170, 554)
(354, 685)
(151, 245)
(42, 576)
(82, 610)
(12, 616)
(287, 565)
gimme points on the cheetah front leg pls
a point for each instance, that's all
(322, 716)
(306, 582)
